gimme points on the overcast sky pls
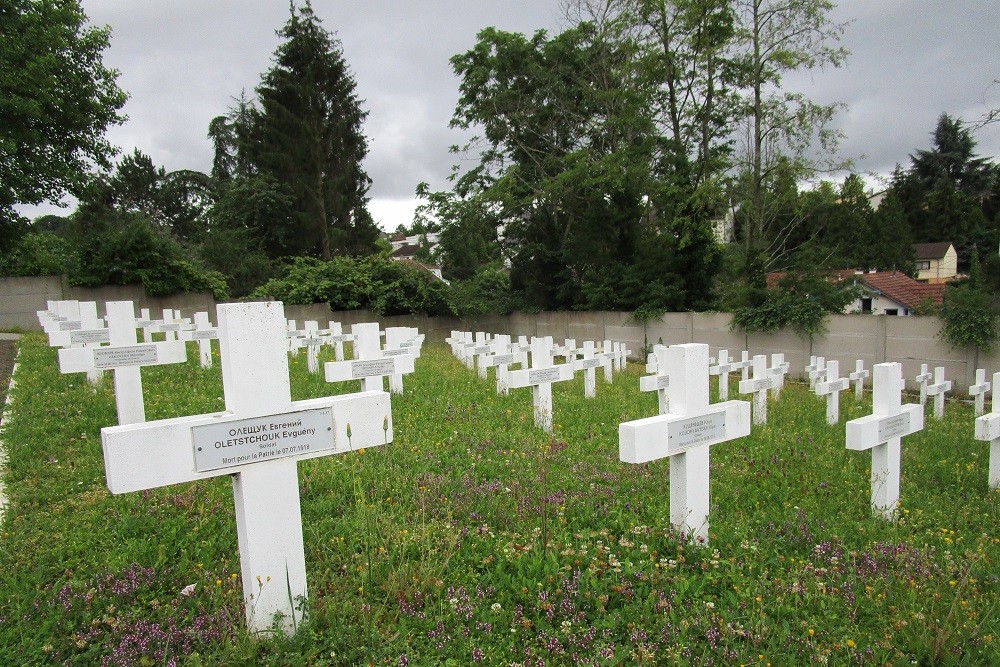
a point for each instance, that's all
(183, 61)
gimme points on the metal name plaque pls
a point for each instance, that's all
(262, 439)
(684, 434)
(662, 381)
(395, 353)
(169, 327)
(131, 355)
(481, 349)
(499, 359)
(71, 325)
(205, 334)
(893, 427)
(90, 336)
(372, 368)
(142, 324)
(539, 375)
(589, 363)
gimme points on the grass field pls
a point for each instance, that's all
(475, 538)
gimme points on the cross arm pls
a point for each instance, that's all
(83, 359)
(988, 427)
(867, 432)
(532, 376)
(160, 453)
(652, 438)
(341, 371)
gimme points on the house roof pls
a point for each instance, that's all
(408, 250)
(931, 250)
(903, 289)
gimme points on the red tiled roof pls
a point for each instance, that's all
(931, 250)
(903, 289)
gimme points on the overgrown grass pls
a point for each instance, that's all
(474, 537)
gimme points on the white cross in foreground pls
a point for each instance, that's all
(540, 377)
(831, 388)
(125, 357)
(882, 431)
(684, 434)
(858, 378)
(937, 389)
(988, 429)
(258, 440)
(979, 389)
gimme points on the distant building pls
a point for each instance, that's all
(405, 249)
(894, 293)
(936, 262)
(883, 292)
(724, 228)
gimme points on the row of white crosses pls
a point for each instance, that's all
(257, 441)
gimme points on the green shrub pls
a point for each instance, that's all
(39, 254)
(350, 283)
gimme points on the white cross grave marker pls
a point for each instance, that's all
(988, 429)
(937, 389)
(831, 388)
(722, 369)
(125, 357)
(401, 341)
(540, 377)
(979, 389)
(817, 372)
(659, 382)
(882, 431)
(779, 368)
(743, 365)
(258, 440)
(588, 364)
(337, 336)
(146, 322)
(685, 434)
(858, 378)
(505, 354)
(758, 386)
(923, 379)
(369, 366)
(608, 352)
(204, 333)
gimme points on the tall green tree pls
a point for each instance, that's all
(950, 193)
(57, 100)
(784, 131)
(307, 136)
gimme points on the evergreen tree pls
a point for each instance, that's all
(307, 136)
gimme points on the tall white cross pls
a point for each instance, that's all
(204, 333)
(779, 368)
(882, 431)
(758, 386)
(540, 377)
(938, 389)
(369, 366)
(722, 369)
(608, 353)
(659, 382)
(923, 380)
(817, 372)
(258, 441)
(978, 390)
(858, 378)
(988, 429)
(831, 388)
(336, 336)
(588, 364)
(684, 434)
(505, 354)
(125, 357)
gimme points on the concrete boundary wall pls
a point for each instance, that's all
(911, 341)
